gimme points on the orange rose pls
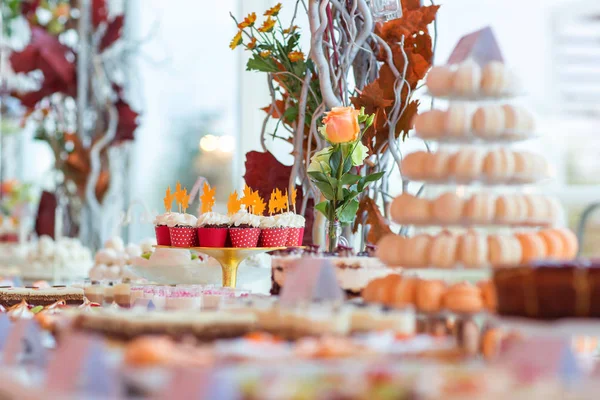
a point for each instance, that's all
(341, 125)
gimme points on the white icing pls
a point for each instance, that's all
(179, 219)
(115, 243)
(213, 218)
(243, 217)
(291, 220)
(268, 222)
(162, 219)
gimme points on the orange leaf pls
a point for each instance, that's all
(405, 124)
(277, 111)
(207, 200)
(411, 22)
(371, 98)
(378, 224)
(233, 204)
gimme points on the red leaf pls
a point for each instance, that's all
(99, 12)
(29, 7)
(276, 111)
(113, 32)
(127, 121)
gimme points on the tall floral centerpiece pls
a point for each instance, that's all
(335, 170)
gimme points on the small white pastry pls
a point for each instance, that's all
(457, 121)
(494, 79)
(467, 79)
(106, 256)
(113, 272)
(489, 121)
(97, 273)
(439, 80)
(133, 250)
(115, 243)
(147, 245)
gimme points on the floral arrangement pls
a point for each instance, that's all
(13, 196)
(331, 168)
(79, 137)
(355, 60)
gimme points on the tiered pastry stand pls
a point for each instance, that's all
(456, 143)
(230, 259)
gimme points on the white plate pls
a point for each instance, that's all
(558, 328)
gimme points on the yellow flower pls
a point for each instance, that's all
(267, 26)
(265, 53)
(274, 10)
(236, 41)
(296, 56)
(252, 43)
(248, 21)
(291, 29)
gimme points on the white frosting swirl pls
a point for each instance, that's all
(213, 218)
(162, 218)
(243, 217)
(180, 219)
(268, 223)
(290, 220)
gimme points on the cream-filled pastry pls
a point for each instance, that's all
(430, 124)
(414, 165)
(499, 165)
(447, 208)
(480, 208)
(417, 253)
(533, 247)
(504, 250)
(467, 164)
(467, 79)
(439, 80)
(457, 120)
(494, 79)
(516, 119)
(442, 253)
(439, 166)
(407, 209)
(472, 250)
(389, 249)
(488, 121)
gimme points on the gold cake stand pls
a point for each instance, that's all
(230, 258)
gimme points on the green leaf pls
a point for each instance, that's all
(347, 213)
(347, 165)
(350, 179)
(326, 190)
(369, 121)
(291, 113)
(257, 63)
(37, 309)
(334, 161)
(365, 180)
(318, 176)
(324, 208)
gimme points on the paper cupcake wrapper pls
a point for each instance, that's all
(244, 237)
(163, 236)
(184, 237)
(295, 237)
(274, 237)
(212, 237)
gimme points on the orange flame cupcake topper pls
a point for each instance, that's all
(259, 207)
(168, 200)
(179, 194)
(207, 198)
(293, 198)
(185, 199)
(234, 204)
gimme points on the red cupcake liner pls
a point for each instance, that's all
(184, 236)
(212, 237)
(295, 237)
(274, 237)
(163, 237)
(244, 237)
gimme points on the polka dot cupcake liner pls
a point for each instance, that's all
(244, 237)
(163, 236)
(184, 236)
(274, 237)
(295, 237)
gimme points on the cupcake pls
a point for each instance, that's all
(213, 229)
(272, 233)
(245, 229)
(294, 223)
(163, 237)
(161, 229)
(182, 229)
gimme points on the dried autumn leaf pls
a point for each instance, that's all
(412, 22)
(113, 32)
(378, 224)
(277, 111)
(371, 98)
(405, 124)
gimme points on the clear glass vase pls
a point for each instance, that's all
(333, 235)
